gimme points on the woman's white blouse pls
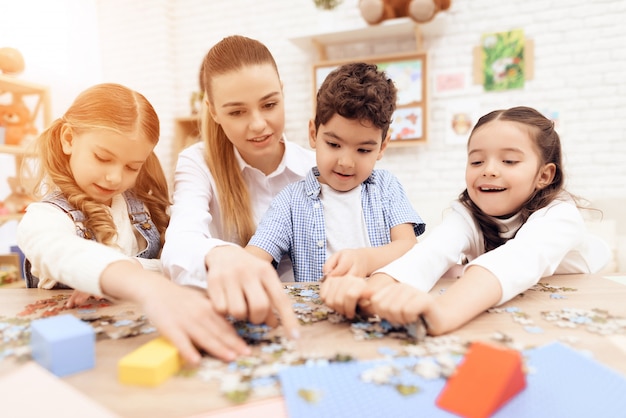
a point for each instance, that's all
(196, 227)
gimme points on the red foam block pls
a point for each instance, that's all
(484, 381)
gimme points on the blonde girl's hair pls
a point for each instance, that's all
(230, 54)
(120, 109)
(546, 139)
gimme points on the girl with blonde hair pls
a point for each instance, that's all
(100, 225)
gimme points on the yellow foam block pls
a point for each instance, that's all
(150, 364)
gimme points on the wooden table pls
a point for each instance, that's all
(184, 396)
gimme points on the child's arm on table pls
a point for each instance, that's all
(345, 293)
(475, 292)
(364, 261)
(345, 269)
(183, 315)
(78, 298)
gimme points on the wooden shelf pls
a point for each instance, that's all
(20, 153)
(186, 132)
(17, 85)
(40, 113)
(15, 150)
(9, 84)
(12, 217)
(402, 28)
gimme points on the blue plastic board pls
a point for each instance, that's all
(561, 383)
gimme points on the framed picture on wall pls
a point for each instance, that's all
(409, 74)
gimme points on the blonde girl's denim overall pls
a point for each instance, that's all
(137, 213)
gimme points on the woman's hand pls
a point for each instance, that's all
(247, 287)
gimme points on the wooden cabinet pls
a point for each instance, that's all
(41, 112)
(19, 153)
(186, 132)
(37, 98)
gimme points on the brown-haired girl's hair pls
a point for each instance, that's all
(120, 109)
(230, 54)
(548, 144)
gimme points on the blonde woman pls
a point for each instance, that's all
(224, 184)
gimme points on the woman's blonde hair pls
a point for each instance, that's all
(230, 54)
(115, 107)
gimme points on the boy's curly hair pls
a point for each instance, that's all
(357, 91)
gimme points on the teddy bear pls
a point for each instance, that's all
(420, 11)
(20, 197)
(15, 121)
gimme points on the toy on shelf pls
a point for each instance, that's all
(11, 61)
(17, 121)
(19, 198)
(327, 4)
(19, 115)
(420, 11)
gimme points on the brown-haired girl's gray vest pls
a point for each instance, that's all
(137, 213)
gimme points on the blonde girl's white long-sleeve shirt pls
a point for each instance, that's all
(47, 236)
(196, 226)
(554, 240)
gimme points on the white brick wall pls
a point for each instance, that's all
(156, 47)
(580, 71)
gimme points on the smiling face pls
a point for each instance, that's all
(504, 168)
(248, 104)
(346, 151)
(103, 162)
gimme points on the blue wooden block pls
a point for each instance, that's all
(63, 344)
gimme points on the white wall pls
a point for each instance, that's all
(156, 47)
(580, 62)
(59, 42)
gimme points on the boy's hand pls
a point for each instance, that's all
(346, 262)
(342, 293)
